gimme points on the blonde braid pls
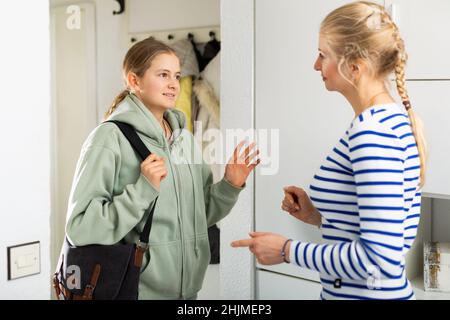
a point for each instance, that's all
(416, 122)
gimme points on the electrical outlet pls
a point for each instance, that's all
(24, 260)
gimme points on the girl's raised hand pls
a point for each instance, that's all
(241, 164)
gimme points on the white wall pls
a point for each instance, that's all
(172, 14)
(25, 140)
(237, 98)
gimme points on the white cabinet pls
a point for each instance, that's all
(424, 25)
(273, 286)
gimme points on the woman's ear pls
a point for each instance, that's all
(357, 69)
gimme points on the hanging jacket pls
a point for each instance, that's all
(185, 51)
(109, 197)
(212, 48)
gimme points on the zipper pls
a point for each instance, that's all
(179, 213)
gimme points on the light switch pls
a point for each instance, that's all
(24, 260)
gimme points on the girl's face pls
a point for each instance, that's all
(327, 65)
(160, 86)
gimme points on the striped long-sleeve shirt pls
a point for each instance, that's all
(367, 194)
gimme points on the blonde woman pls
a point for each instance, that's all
(366, 196)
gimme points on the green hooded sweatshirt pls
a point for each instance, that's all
(109, 198)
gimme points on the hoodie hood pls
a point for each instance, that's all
(132, 111)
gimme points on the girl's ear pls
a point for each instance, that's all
(133, 82)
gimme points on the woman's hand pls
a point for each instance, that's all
(240, 164)
(297, 203)
(154, 169)
(265, 246)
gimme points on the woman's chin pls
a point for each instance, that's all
(330, 88)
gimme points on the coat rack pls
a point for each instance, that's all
(200, 35)
(121, 6)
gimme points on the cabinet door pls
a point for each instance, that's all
(273, 286)
(424, 25)
(431, 100)
(291, 97)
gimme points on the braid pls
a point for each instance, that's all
(416, 123)
(400, 80)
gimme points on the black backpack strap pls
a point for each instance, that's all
(130, 133)
(133, 138)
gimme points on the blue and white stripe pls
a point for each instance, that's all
(367, 193)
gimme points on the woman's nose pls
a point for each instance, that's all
(317, 65)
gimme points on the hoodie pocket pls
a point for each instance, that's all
(161, 272)
(196, 264)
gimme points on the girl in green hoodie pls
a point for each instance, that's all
(112, 188)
